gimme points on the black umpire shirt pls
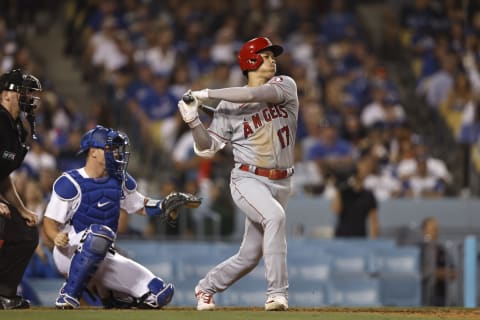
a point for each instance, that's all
(12, 143)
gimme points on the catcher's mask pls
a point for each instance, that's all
(116, 146)
(26, 85)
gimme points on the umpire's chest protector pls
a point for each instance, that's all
(100, 202)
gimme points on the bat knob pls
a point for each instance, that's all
(188, 98)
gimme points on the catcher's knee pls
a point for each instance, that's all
(97, 240)
(160, 294)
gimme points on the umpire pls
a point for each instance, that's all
(18, 232)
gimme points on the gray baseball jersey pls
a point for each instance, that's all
(262, 135)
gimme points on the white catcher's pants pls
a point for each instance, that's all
(116, 272)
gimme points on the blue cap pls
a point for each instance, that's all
(94, 138)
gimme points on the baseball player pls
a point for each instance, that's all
(82, 219)
(260, 122)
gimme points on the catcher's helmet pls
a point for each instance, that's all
(25, 85)
(248, 57)
(116, 146)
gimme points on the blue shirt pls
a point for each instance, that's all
(158, 107)
(320, 150)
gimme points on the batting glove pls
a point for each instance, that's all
(189, 111)
(201, 95)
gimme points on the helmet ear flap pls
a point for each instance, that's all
(253, 60)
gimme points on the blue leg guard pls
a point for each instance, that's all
(161, 294)
(92, 250)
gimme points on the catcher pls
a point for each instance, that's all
(82, 219)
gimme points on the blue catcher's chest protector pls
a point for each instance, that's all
(100, 202)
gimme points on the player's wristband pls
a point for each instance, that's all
(153, 207)
(195, 123)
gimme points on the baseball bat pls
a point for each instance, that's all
(188, 98)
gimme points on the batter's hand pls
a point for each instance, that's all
(201, 95)
(61, 239)
(189, 111)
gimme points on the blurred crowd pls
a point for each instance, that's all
(147, 54)
(443, 41)
(138, 57)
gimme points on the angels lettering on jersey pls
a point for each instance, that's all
(258, 119)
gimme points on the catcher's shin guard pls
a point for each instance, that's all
(160, 294)
(92, 250)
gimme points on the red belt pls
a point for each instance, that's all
(272, 174)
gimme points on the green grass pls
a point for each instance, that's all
(246, 314)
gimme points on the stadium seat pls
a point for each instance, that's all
(353, 291)
(313, 267)
(349, 261)
(398, 260)
(248, 291)
(400, 289)
(368, 244)
(194, 266)
(307, 293)
(46, 289)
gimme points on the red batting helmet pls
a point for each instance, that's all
(248, 57)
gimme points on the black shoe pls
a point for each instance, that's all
(16, 302)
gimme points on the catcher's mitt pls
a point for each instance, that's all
(174, 201)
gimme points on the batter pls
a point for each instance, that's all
(260, 122)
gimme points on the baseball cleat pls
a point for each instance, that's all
(65, 301)
(204, 300)
(16, 302)
(278, 303)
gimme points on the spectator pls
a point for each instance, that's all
(67, 158)
(333, 155)
(423, 184)
(408, 165)
(156, 114)
(200, 62)
(223, 49)
(107, 49)
(39, 159)
(339, 23)
(470, 127)
(353, 131)
(459, 100)
(161, 54)
(381, 181)
(384, 108)
(180, 79)
(438, 267)
(435, 88)
(355, 206)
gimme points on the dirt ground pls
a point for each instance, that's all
(419, 312)
(440, 313)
